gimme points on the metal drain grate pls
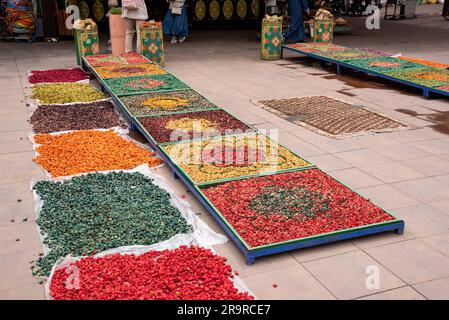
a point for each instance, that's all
(331, 117)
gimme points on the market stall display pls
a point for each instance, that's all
(288, 207)
(232, 157)
(86, 116)
(427, 78)
(91, 207)
(199, 274)
(138, 85)
(187, 126)
(159, 104)
(96, 212)
(89, 151)
(211, 162)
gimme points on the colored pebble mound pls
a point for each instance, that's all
(54, 118)
(58, 93)
(57, 75)
(88, 151)
(186, 273)
(96, 212)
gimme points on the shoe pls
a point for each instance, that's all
(181, 39)
(173, 40)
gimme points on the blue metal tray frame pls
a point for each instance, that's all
(249, 253)
(341, 64)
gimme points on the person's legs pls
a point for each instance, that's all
(182, 25)
(167, 26)
(301, 33)
(291, 32)
(139, 44)
(129, 36)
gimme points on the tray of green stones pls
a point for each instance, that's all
(146, 84)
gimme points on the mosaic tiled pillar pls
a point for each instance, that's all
(86, 43)
(152, 44)
(271, 40)
(323, 30)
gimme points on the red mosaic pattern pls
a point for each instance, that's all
(278, 208)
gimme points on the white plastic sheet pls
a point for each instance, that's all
(173, 243)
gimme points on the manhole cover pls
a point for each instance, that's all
(332, 117)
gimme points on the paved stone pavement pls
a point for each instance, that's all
(405, 172)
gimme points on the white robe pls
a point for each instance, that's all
(140, 13)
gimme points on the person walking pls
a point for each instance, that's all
(134, 12)
(175, 21)
(295, 31)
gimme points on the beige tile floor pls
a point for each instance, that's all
(406, 172)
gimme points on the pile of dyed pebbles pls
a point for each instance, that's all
(89, 151)
(57, 75)
(185, 273)
(96, 212)
(55, 118)
(59, 93)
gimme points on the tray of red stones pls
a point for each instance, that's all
(277, 209)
